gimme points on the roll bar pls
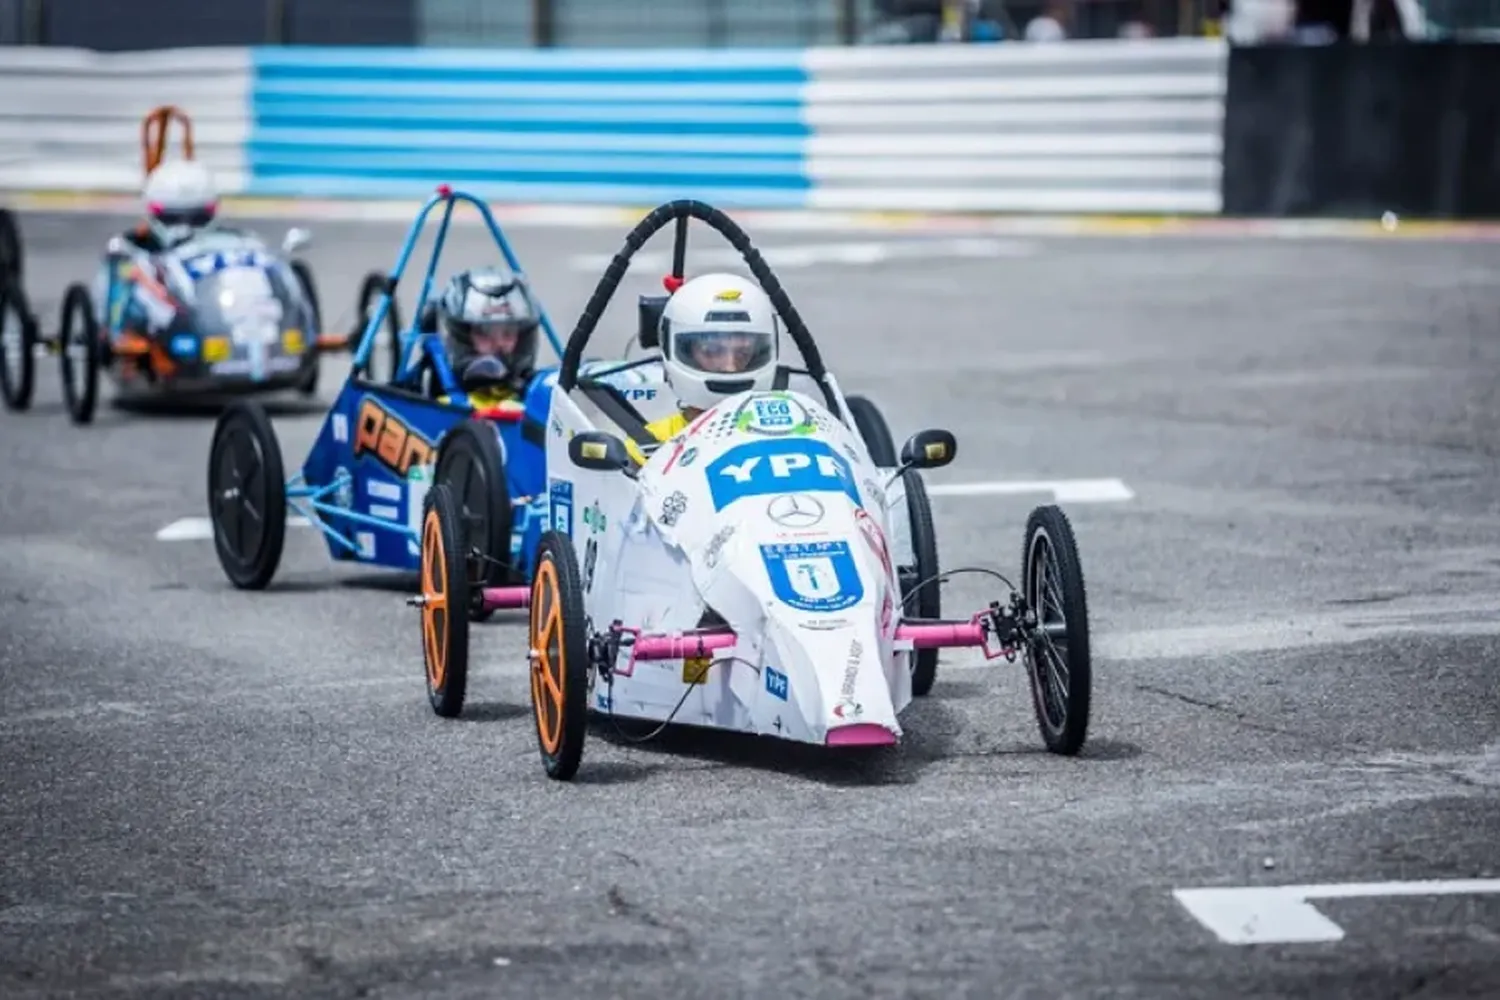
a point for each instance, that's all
(154, 135)
(681, 211)
(448, 197)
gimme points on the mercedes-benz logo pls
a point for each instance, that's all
(795, 510)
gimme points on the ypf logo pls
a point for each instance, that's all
(784, 465)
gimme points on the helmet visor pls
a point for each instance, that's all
(723, 352)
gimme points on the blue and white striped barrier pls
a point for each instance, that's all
(1114, 126)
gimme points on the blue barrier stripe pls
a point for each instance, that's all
(425, 112)
(666, 63)
(467, 175)
(645, 195)
(329, 157)
(618, 127)
(542, 93)
(537, 76)
(352, 136)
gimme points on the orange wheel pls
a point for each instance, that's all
(445, 602)
(558, 645)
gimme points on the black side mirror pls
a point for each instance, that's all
(650, 308)
(930, 449)
(598, 452)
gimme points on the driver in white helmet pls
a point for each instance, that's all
(719, 336)
(180, 200)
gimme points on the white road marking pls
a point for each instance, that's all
(1063, 490)
(815, 254)
(1284, 915)
(201, 529)
(1463, 615)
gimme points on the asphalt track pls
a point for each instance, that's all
(205, 793)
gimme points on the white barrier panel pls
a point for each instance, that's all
(71, 119)
(1106, 126)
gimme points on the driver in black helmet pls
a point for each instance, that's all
(489, 330)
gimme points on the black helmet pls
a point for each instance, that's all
(487, 299)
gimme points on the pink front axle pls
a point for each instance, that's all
(679, 647)
(941, 634)
(505, 598)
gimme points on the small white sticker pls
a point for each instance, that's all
(341, 429)
(380, 490)
(366, 540)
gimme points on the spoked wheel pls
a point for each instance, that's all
(78, 353)
(472, 465)
(558, 644)
(925, 601)
(309, 384)
(17, 347)
(876, 433)
(382, 367)
(11, 256)
(247, 495)
(1057, 659)
(445, 596)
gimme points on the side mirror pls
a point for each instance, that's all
(931, 449)
(598, 452)
(649, 309)
(296, 238)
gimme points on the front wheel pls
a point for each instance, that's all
(921, 594)
(247, 495)
(18, 341)
(870, 423)
(445, 600)
(78, 354)
(1057, 655)
(472, 463)
(558, 644)
(12, 257)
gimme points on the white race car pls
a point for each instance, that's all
(743, 578)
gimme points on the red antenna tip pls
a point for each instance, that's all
(671, 283)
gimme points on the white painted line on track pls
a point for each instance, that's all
(201, 529)
(815, 254)
(1063, 490)
(1244, 915)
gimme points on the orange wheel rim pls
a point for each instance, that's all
(434, 602)
(548, 683)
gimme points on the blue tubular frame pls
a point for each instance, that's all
(449, 197)
(310, 501)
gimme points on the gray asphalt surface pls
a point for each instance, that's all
(206, 793)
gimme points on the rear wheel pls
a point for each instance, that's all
(558, 644)
(11, 255)
(926, 600)
(309, 384)
(384, 361)
(445, 596)
(473, 465)
(1057, 658)
(876, 433)
(247, 495)
(78, 354)
(18, 341)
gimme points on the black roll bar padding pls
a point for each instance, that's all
(658, 218)
(679, 248)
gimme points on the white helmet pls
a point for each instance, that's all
(180, 198)
(720, 336)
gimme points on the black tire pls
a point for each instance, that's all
(78, 353)
(562, 654)
(247, 495)
(870, 423)
(369, 293)
(1061, 703)
(18, 340)
(309, 384)
(926, 600)
(445, 635)
(471, 463)
(12, 256)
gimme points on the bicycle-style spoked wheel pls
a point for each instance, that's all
(1057, 656)
(559, 657)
